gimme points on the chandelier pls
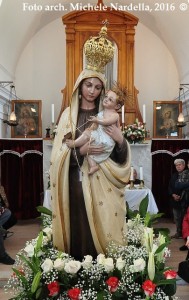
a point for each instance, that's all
(11, 120)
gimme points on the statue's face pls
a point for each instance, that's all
(91, 89)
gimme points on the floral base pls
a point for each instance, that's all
(136, 142)
(126, 272)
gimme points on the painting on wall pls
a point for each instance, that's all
(28, 114)
(165, 119)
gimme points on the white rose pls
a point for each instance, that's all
(87, 263)
(108, 264)
(47, 265)
(139, 264)
(120, 263)
(48, 232)
(29, 250)
(59, 264)
(72, 267)
(101, 259)
(45, 240)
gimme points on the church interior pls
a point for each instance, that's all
(41, 58)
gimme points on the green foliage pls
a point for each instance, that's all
(149, 219)
(44, 210)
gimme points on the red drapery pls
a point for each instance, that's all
(22, 175)
(164, 152)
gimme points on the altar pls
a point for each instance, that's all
(141, 156)
(133, 198)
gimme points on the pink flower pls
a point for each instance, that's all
(74, 293)
(112, 283)
(149, 287)
(54, 288)
(170, 274)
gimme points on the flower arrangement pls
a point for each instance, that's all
(54, 131)
(136, 271)
(134, 133)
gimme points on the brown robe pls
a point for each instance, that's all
(81, 239)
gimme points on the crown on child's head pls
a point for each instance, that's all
(99, 50)
(122, 93)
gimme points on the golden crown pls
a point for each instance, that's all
(99, 50)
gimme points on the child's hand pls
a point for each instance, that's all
(93, 119)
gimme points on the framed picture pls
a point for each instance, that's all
(165, 119)
(28, 114)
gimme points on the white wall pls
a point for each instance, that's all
(40, 73)
(156, 75)
(41, 70)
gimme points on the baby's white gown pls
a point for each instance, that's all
(102, 138)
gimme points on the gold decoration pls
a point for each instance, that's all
(122, 93)
(99, 50)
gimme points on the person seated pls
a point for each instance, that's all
(4, 256)
(7, 219)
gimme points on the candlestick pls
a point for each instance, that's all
(131, 187)
(48, 132)
(141, 173)
(144, 113)
(52, 113)
(123, 114)
(131, 176)
(141, 184)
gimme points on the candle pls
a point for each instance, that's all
(144, 113)
(123, 114)
(52, 113)
(141, 173)
(12, 116)
(180, 118)
(132, 170)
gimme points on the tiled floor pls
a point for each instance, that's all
(26, 230)
(23, 231)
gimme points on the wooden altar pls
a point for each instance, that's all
(80, 25)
